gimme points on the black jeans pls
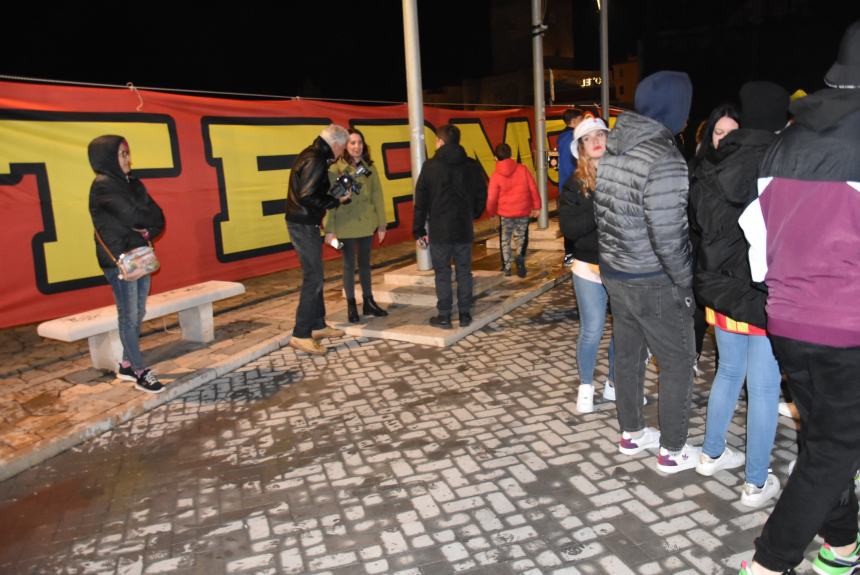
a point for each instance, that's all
(441, 255)
(310, 314)
(350, 246)
(819, 496)
(652, 313)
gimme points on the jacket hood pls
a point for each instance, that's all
(665, 96)
(826, 108)
(631, 129)
(451, 154)
(735, 163)
(764, 106)
(506, 167)
(104, 156)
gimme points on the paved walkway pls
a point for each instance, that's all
(382, 457)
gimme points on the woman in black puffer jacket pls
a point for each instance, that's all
(125, 217)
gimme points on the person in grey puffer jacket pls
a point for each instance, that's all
(646, 265)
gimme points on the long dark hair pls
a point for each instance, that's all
(365, 152)
(707, 142)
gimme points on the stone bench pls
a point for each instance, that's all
(99, 326)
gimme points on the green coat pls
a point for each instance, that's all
(366, 210)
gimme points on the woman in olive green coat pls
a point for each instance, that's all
(354, 223)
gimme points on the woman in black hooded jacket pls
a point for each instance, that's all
(723, 184)
(125, 217)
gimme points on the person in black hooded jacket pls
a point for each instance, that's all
(450, 192)
(723, 184)
(125, 217)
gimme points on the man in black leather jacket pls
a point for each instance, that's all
(308, 198)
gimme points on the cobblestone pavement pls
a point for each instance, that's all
(386, 457)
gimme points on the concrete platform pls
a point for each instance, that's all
(409, 322)
(411, 286)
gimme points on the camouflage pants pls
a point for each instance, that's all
(513, 235)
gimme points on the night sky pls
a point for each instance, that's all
(354, 51)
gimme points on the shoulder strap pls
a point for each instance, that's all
(101, 241)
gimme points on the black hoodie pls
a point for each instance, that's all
(119, 204)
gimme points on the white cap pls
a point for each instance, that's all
(586, 126)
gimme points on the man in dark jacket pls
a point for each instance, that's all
(308, 198)
(451, 191)
(805, 244)
(646, 265)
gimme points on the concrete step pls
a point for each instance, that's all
(409, 322)
(422, 290)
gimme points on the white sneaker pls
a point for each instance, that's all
(609, 392)
(585, 398)
(673, 462)
(753, 496)
(729, 459)
(785, 410)
(630, 445)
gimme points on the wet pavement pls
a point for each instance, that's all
(387, 457)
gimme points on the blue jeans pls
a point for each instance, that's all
(742, 357)
(591, 298)
(652, 313)
(310, 314)
(130, 298)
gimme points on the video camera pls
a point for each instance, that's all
(346, 183)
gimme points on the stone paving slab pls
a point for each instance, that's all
(387, 457)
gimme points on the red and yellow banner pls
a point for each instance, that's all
(218, 168)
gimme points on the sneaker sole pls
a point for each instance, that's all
(710, 472)
(147, 390)
(762, 503)
(674, 468)
(835, 570)
(640, 449)
(126, 377)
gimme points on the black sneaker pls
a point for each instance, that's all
(147, 382)
(465, 319)
(126, 373)
(441, 320)
(568, 259)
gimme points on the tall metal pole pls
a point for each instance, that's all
(604, 59)
(415, 103)
(540, 111)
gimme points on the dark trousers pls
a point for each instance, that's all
(441, 255)
(652, 313)
(310, 314)
(819, 496)
(362, 246)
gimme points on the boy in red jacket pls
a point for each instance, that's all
(513, 196)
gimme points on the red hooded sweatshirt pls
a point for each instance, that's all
(512, 191)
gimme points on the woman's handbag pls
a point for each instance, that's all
(134, 264)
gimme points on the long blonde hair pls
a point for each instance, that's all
(586, 172)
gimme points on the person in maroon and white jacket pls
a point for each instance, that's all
(804, 235)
